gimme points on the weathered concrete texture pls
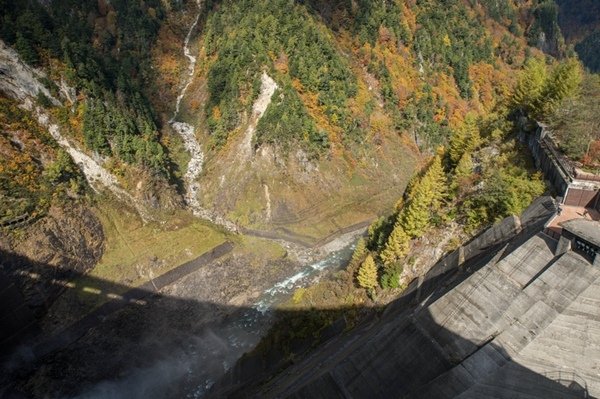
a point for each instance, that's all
(502, 231)
(547, 290)
(516, 382)
(564, 245)
(548, 160)
(589, 230)
(572, 340)
(503, 332)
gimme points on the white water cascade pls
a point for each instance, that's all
(188, 134)
(191, 66)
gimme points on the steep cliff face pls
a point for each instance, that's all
(42, 256)
(579, 21)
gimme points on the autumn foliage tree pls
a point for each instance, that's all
(464, 139)
(427, 196)
(538, 93)
(462, 172)
(564, 82)
(367, 274)
(360, 251)
(396, 246)
(530, 86)
(435, 178)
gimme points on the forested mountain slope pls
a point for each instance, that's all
(579, 21)
(130, 129)
(362, 90)
(358, 85)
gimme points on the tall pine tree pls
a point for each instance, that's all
(463, 170)
(359, 252)
(414, 218)
(530, 86)
(437, 183)
(367, 274)
(464, 139)
(564, 82)
(396, 247)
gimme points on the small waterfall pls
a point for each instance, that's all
(191, 66)
(188, 134)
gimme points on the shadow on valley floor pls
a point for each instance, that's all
(149, 344)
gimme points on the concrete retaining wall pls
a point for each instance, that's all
(531, 222)
(548, 161)
(500, 232)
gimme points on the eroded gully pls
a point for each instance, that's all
(243, 331)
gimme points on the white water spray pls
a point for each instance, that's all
(187, 133)
(191, 66)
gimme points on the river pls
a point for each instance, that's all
(221, 345)
(224, 344)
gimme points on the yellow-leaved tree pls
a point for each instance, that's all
(367, 273)
(530, 86)
(359, 252)
(564, 82)
(427, 196)
(396, 247)
(462, 172)
(464, 139)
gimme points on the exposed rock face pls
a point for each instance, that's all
(68, 240)
(267, 89)
(19, 80)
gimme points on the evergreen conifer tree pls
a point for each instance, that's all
(426, 195)
(464, 139)
(463, 170)
(436, 182)
(414, 218)
(396, 246)
(530, 87)
(367, 273)
(359, 252)
(564, 82)
(26, 50)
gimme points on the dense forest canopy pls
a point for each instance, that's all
(104, 48)
(429, 61)
(445, 40)
(458, 82)
(246, 37)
